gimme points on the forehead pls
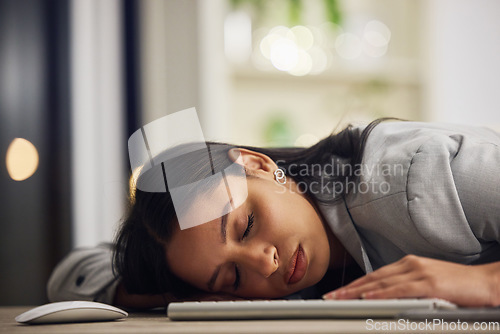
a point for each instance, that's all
(192, 253)
(208, 200)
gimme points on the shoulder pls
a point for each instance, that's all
(402, 142)
(409, 136)
(413, 173)
(405, 156)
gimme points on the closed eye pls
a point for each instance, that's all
(249, 226)
(236, 283)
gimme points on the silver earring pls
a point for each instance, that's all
(279, 175)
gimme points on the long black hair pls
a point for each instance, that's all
(139, 255)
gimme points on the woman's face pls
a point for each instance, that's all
(272, 245)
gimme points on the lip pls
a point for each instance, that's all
(297, 268)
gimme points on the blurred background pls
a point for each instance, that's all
(78, 77)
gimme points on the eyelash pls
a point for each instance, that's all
(249, 225)
(245, 234)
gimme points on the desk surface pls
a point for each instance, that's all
(157, 322)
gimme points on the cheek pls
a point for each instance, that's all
(192, 273)
(260, 288)
(187, 264)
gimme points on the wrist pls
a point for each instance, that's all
(493, 274)
(138, 301)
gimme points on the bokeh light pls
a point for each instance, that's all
(348, 46)
(21, 159)
(303, 50)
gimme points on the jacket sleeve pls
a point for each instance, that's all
(454, 179)
(476, 171)
(444, 197)
(84, 274)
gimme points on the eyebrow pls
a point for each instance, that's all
(223, 220)
(223, 232)
(223, 227)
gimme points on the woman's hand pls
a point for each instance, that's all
(137, 301)
(419, 277)
(214, 297)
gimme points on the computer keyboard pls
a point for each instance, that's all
(300, 309)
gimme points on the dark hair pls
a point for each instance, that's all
(139, 255)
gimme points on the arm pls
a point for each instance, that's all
(419, 277)
(124, 299)
(84, 274)
(464, 170)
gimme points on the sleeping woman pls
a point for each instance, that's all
(389, 210)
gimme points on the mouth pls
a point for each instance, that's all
(297, 268)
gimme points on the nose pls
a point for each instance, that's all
(261, 259)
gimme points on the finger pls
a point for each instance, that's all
(415, 289)
(381, 283)
(390, 270)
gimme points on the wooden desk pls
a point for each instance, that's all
(157, 322)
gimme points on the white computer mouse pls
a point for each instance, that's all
(71, 311)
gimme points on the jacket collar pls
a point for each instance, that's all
(340, 221)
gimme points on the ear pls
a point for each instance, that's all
(255, 162)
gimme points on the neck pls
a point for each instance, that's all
(339, 257)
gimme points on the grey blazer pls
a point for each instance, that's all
(434, 191)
